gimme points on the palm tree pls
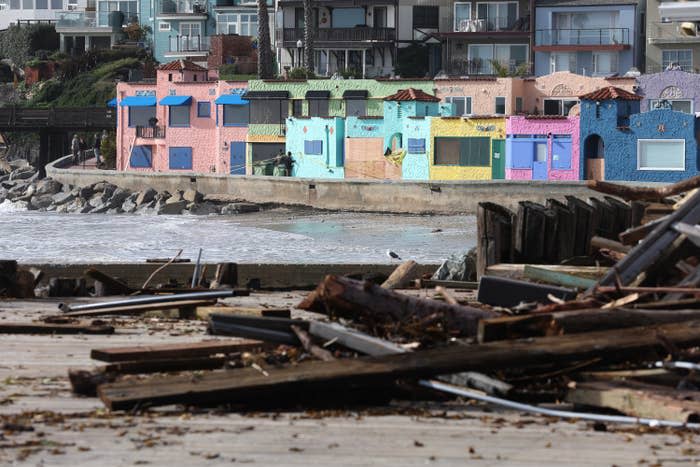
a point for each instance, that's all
(309, 28)
(265, 62)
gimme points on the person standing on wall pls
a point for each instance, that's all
(82, 146)
(75, 148)
(96, 149)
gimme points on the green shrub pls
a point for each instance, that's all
(301, 73)
(19, 43)
(108, 149)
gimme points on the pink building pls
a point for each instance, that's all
(182, 122)
(540, 147)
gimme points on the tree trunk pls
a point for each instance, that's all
(265, 66)
(309, 29)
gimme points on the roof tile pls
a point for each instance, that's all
(182, 65)
(611, 93)
(412, 94)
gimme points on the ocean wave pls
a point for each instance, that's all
(9, 206)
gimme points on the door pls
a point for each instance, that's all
(498, 159)
(380, 17)
(237, 158)
(539, 164)
(190, 35)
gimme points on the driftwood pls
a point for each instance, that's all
(174, 351)
(310, 347)
(634, 193)
(402, 275)
(45, 328)
(344, 297)
(286, 385)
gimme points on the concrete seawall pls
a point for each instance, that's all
(412, 197)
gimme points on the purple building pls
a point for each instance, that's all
(678, 89)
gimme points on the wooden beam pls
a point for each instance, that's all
(165, 365)
(557, 278)
(430, 283)
(402, 275)
(175, 351)
(636, 193)
(249, 386)
(203, 312)
(517, 271)
(45, 328)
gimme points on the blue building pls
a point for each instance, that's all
(621, 143)
(592, 37)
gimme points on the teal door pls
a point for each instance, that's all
(498, 159)
(237, 158)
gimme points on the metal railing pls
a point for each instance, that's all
(179, 7)
(492, 24)
(150, 132)
(464, 67)
(184, 43)
(360, 33)
(601, 36)
(76, 19)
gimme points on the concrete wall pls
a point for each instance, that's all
(670, 85)
(350, 195)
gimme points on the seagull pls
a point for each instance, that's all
(392, 255)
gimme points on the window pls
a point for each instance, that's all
(347, 17)
(236, 115)
(179, 115)
(170, 77)
(558, 106)
(14, 4)
(241, 24)
(318, 108)
(297, 108)
(661, 154)
(140, 116)
(268, 111)
(164, 26)
(355, 108)
(561, 152)
(57, 4)
(191, 30)
(42, 4)
(416, 145)
(465, 152)
(559, 61)
(510, 56)
(204, 109)
(518, 105)
(499, 16)
(129, 8)
(463, 16)
(588, 28)
(426, 17)
(605, 63)
(313, 148)
(682, 59)
(180, 158)
(27, 4)
(141, 157)
(500, 106)
(679, 105)
(461, 105)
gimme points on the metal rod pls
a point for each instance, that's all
(143, 300)
(458, 391)
(676, 365)
(195, 275)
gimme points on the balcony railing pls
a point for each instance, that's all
(183, 7)
(184, 43)
(602, 36)
(493, 24)
(361, 33)
(150, 132)
(465, 67)
(75, 19)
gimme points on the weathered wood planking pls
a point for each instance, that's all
(157, 352)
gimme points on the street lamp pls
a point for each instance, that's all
(300, 46)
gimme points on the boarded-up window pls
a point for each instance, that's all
(235, 115)
(465, 152)
(318, 107)
(268, 111)
(314, 148)
(140, 116)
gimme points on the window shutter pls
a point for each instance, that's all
(561, 153)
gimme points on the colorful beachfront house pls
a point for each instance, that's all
(621, 143)
(679, 89)
(273, 101)
(182, 122)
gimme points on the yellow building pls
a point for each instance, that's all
(471, 148)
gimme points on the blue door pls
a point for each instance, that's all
(539, 164)
(237, 158)
(141, 157)
(180, 158)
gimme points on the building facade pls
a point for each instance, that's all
(12, 11)
(592, 37)
(675, 88)
(673, 38)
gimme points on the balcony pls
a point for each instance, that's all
(671, 33)
(182, 44)
(466, 67)
(150, 132)
(67, 21)
(582, 39)
(182, 8)
(493, 24)
(357, 34)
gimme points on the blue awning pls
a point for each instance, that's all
(112, 102)
(233, 99)
(176, 100)
(138, 101)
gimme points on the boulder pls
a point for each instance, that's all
(22, 174)
(239, 208)
(117, 210)
(63, 198)
(118, 197)
(48, 186)
(145, 196)
(19, 164)
(104, 187)
(98, 199)
(129, 205)
(86, 192)
(192, 196)
(101, 209)
(40, 202)
(3, 194)
(203, 209)
(175, 197)
(172, 208)
(460, 267)
(76, 205)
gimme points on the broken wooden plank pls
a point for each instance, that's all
(352, 339)
(175, 351)
(212, 362)
(46, 328)
(286, 385)
(517, 271)
(349, 298)
(637, 193)
(600, 242)
(557, 278)
(203, 312)
(402, 275)
(692, 232)
(310, 347)
(430, 283)
(498, 291)
(638, 399)
(266, 329)
(139, 309)
(576, 321)
(478, 381)
(494, 225)
(633, 235)
(111, 285)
